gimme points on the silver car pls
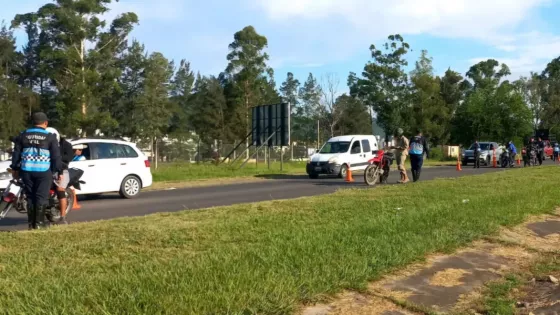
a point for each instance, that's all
(485, 156)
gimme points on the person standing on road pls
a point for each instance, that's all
(512, 153)
(556, 151)
(418, 146)
(66, 154)
(402, 151)
(540, 154)
(36, 156)
(476, 154)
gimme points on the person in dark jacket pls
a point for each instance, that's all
(476, 154)
(540, 154)
(36, 156)
(417, 147)
(67, 154)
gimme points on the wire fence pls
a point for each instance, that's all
(217, 152)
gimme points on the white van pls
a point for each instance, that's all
(340, 152)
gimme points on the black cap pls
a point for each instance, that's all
(39, 118)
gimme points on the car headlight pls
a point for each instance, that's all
(334, 160)
(5, 175)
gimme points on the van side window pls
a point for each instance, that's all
(356, 149)
(366, 146)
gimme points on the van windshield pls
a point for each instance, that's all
(335, 147)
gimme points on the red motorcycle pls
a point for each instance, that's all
(378, 169)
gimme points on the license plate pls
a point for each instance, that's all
(470, 158)
(317, 169)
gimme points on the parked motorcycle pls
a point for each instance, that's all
(506, 159)
(378, 169)
(14, 198)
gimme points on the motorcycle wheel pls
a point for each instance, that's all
(5, 208)
(53, 214)
(371, 175)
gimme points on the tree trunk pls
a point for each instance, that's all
(157, 156)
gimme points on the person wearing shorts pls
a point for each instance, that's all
(67, 154)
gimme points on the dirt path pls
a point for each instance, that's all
(451, 284)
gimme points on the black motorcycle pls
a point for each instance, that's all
(14, 198)
(506, 159)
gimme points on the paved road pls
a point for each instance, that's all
(112, 206)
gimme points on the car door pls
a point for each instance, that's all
(87, 166)
(107, 174)
(356, 156)
(128, 160)
(367, 149)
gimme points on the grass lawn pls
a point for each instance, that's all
(265, 258)
(177, 172)
(181, 172)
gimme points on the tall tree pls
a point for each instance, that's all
(308, 112)
(493, 109)
(384, 84)
(289, 91)
(532, 90)
(330, 110)
(208, 113)
(551, 94)
(429, 111)
(181, 96)
(80, 74)
(353, 117)
(247, 70)
(153, 106)
(12, 112)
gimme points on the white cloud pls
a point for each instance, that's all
(533, 51)
(162, 10)
(479, 19)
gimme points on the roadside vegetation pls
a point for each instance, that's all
(185, 172)
(266, 258)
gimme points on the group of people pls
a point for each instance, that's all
(40, 156)
(416, 147)
(538, 147)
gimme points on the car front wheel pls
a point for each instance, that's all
(130, 187)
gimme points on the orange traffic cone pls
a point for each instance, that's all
(518, 160)
(459, 166)
(75, 204)
(349, 178)
(494, 162)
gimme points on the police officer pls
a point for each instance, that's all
(476, 154)
(36, 156)
(417, 147)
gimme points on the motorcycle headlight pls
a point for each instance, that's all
(5, 175)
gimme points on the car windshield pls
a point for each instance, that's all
(335, 147)
(483, 146)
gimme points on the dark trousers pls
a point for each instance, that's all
(37, 187)
(540, 157)
(476, 160)
(555, 156)
(416, 162)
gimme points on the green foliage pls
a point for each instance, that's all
(114, 87)
(384, 84)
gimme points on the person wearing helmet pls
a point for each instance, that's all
(67, 154)
(402, 150)
(36, 155)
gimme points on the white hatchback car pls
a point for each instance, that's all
(112, 166)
